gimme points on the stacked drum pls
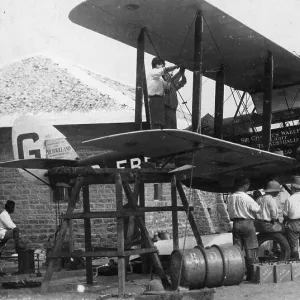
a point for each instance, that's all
(210, 267)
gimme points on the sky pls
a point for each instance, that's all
(28, 27)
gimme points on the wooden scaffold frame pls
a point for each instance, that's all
(81, 178)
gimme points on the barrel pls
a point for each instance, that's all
(192, 263)
(210, 267)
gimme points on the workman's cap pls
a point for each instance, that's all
(296, 182)
(272, 186)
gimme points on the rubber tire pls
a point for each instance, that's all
(280, 239)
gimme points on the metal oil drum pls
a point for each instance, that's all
(191, 264)
(214, 267)
(210, 267)
(234, 264)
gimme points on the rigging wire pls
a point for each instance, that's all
(215, 42)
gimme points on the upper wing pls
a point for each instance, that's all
(216, 161)
(169, 22)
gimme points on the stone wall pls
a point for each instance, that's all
(36, 214)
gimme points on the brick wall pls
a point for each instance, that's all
(36, 215)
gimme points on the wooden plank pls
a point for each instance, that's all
(87, 235)
(144, 258)
(71, 235)
(126, 213)
(120, 235)
(94, 178)
(61, 234)
(174, 214)
(132, 201)
(155, 257)
(110, 253)
(190, 214)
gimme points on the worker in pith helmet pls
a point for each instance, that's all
(268, 216)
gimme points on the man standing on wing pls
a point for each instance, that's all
(242, 211)
(156, 91)
(291, 215)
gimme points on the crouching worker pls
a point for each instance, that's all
(267, 218)
(242, 211)
(291, 215)
(8, 229)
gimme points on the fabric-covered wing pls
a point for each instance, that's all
(216, 160)
(168, 23)
(38, 163)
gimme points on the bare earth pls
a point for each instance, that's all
(106, 288)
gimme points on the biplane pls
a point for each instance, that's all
(208, 42)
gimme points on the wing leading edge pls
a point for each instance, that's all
(217, 162)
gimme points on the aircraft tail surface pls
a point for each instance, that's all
(33, 138)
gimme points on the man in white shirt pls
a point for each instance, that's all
(156, 90)
(242, 211)
(291, 215)
(267, 218)
(8, 229)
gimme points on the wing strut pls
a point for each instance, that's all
(40, 179)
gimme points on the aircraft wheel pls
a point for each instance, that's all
(273, 246)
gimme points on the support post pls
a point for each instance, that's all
(143, 240)
(87, 235)
(267, 101)
(174, 214)
(120, 235)
(219, 103)
(61, 234)
(139, 80)
(146, 102)
(190, 214)
(197, 76)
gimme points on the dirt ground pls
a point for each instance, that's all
(64, 286)
(106, 288)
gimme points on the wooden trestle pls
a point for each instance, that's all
(81, 178)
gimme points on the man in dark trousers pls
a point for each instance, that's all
(291, 215)
(156, 91)
(8, 229)
(242, 211)
(171, 101)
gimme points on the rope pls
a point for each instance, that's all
(186, 221)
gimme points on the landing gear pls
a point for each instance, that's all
(273, 246)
